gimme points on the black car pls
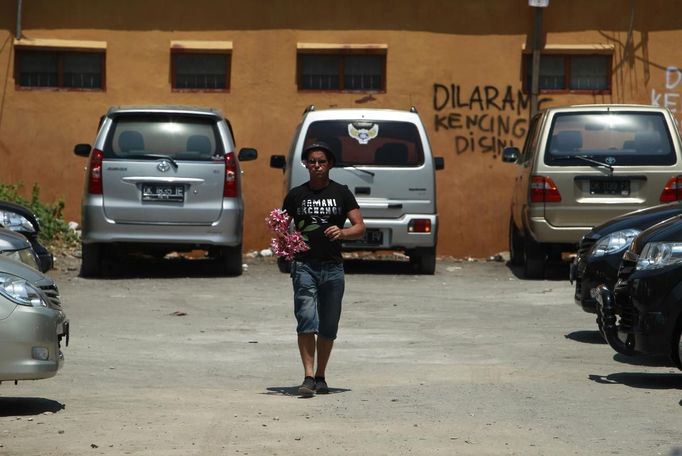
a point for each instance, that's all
(21, 220)
(601, 249)
(643, 314)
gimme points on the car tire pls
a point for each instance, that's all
(91, 260)
(676, 354)
(515, 245)
(424, 260)
(284, 265)
(534, 259)
(231, 260)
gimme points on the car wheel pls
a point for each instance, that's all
(284, 265)
(91, 260)
(677, 345)
(515, 245)
(534, 260)
(231, 259)
(424, 260)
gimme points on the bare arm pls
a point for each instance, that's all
(355, 231)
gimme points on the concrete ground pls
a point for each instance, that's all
(172, 359)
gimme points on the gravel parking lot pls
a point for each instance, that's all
(171, 359)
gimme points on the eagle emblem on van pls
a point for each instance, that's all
(163, 166)
(363, 135)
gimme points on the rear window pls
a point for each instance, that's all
(367, 142)
(616, 138)
(179, 137)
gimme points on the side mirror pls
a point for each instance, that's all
(247, 154)
(439, 162)
(278, 161)
(82, 150)
(510, 154)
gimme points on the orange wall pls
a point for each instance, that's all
(473, 45)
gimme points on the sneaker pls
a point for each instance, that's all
(321, 386)
(307, 388)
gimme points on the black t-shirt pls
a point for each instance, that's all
(322, 208)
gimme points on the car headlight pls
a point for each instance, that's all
(22, 256)
(659, 254)
(15, 222)
(20, 291)
(614, 242)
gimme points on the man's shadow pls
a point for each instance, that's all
(28, 406)
(292, 391)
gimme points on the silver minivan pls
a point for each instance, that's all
(163, 178)
(583, 165)
(385, 159)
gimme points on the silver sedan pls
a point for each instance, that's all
(32, 323)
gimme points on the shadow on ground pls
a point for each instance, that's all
(144, 267)
(293, 391)
(640, 380)
(28, 406)
(553, 271)
(586, 337)
(151, 268)
(644, 360)
(388, 267)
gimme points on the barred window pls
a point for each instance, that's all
(201, 71)
(355, 71)
(570, 72)
(60, 69)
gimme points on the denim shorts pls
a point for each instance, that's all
(318, 291)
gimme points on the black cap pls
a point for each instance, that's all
(321, 146)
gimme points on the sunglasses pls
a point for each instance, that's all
(313, 162)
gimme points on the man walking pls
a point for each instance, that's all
(323, 206)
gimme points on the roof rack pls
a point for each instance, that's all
(308, 109)
(413, 109)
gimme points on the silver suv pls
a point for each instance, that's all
(163, 178)
(385, 159)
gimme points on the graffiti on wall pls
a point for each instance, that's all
(485, 119)
(670, 97)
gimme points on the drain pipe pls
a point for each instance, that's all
(20, 7)
(606, 312)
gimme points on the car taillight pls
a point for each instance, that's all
(672, 190)
(419, 226)
(230, 188)
(543, 190)
(95, 172)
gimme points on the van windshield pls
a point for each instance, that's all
(615, 138)
(369, 143)
(177, 137)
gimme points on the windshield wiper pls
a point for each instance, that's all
(358, 169)
(586, 159)
(155, 157)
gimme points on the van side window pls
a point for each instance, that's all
(531, 140)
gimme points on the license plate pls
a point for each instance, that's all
(371, 237)
(156, 192)
(610, 187)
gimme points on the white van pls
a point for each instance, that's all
(385, 159)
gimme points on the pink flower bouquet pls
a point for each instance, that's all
(286, 243)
